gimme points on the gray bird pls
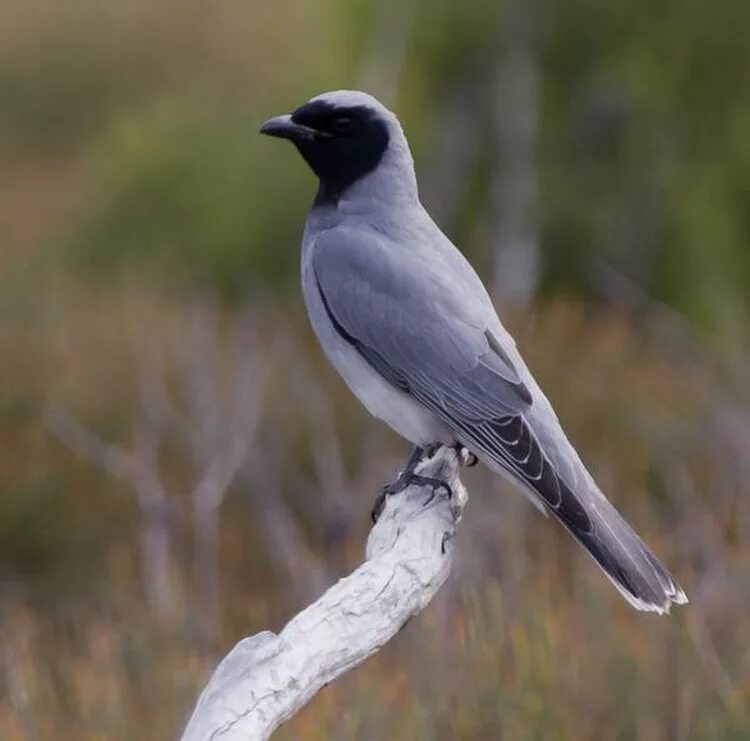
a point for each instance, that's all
(406, 321)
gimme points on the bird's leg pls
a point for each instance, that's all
(408, 471)
(431, 449)
(407, 478)
(399, 483)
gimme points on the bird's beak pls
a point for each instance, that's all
(284, 128)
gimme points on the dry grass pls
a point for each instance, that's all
(528, 641)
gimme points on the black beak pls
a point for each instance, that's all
(284, 128)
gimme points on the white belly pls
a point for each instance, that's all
(405, 415)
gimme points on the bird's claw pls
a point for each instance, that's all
(435, 484)
(379, 506)
(405, 480)
(407, 477)
(394, 487)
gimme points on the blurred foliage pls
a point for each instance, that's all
(643, 155)
(527, 641)
(194, 197)
(133, 185)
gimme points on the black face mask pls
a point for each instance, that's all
(350, 142)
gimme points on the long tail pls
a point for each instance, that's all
(628, 562)
(512, 449)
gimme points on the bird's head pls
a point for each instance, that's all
(344, 136)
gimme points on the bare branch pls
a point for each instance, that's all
(216, 421)
(140, 468)
(266, 678)
(285, 541)
(221, 430)
(75, 436)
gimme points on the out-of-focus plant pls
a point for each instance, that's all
(196, 198)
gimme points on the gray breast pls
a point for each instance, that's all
(400, 411)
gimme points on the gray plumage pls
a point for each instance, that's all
(408, 324)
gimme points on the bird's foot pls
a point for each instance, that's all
(399, 484)
(379, 506)
(435, 484)
(406, 479)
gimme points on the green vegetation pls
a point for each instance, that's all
(193, 197)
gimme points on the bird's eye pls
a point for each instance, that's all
(342, 124)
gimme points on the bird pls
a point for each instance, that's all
(407, 322)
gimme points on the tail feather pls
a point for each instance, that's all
(592, 520)
(628, 562)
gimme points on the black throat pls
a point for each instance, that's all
(340, 159)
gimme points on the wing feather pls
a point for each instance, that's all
(429, 331)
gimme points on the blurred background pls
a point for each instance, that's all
(179, 467)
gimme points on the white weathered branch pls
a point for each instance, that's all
(266, 678)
